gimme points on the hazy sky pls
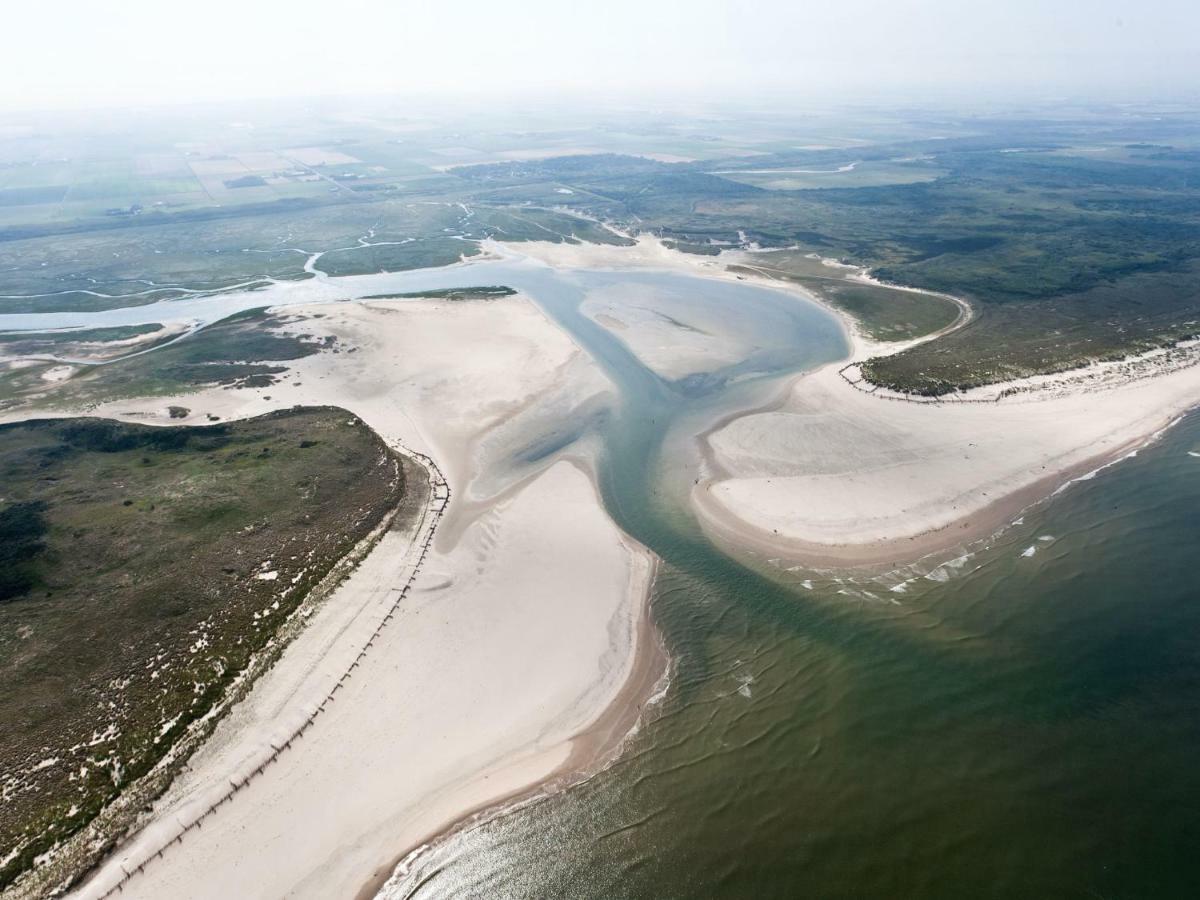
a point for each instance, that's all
(81, 53)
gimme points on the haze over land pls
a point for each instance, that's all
(139, 51)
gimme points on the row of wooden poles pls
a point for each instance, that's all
(437, 484)
(907, 398)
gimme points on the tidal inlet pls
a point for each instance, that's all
(410, 490)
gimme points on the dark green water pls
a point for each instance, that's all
(1029, 727)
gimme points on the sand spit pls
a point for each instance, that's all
(519, 657)
(833, 475)
(836, 477)
(473, 693)
(646, 253)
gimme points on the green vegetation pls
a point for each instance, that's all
(1019, 339)
(1066, 258)
(140, 569)
(694, 248)
(853, 174)
(22, 529)
(884, 313)
(145, 260)
(130, 556)
(418, 254)
(93, 344)
(490, 292)
(889, 314)
(237, 351)
(529, 223)
(246, 181)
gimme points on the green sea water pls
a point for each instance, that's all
(1019, 723)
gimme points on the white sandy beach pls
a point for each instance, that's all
(835, 476)
(522, 653)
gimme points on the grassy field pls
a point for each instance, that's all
(885, 314)
(140, 568)
(78, 335)
(1066, 257)
(239, 351)
(874, 173)
(417, 254)
(91, 344)
(1018, 339)
(145, 260)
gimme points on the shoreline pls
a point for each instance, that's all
(460, 447)
(118, 822)
(946, 517)
(972, 532)
(592, 751)
(551, 724)
(1102, 390)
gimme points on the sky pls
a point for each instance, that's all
(99, 53)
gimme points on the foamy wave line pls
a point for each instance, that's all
(395, 887)
(1088, 476)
